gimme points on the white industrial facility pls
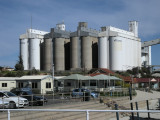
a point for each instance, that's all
(119, 49)
(111, 48)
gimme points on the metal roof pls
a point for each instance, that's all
(8, 78)
(34, 77)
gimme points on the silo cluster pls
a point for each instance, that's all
(86, 48)
(119, 49)
(30, 48)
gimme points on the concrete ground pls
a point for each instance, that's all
(92, 104)
(141, 98)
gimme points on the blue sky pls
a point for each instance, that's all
(15, 19)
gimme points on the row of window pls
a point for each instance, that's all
(34, 85)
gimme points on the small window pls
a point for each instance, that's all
(4, 84)
(20, 84)
(48, 85)
(34, 85)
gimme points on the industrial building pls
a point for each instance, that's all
(119, 49)
(86, 48)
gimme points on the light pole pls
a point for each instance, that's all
(53, 79)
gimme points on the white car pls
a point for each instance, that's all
(14, 100)
(4, 105)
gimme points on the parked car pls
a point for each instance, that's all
(79, 92)
(14, 100)
(4, 104)
(33, 99)
(94, 94)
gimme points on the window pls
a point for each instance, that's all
(68, 84)
(20, 85)
(34, 85)
(92, 84)
(4, 84)
(83, 84)
(48, 84)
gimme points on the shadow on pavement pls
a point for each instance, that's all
(140, 118)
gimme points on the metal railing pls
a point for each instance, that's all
(77, 110)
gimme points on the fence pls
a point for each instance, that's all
(67, 96)
(86, 111)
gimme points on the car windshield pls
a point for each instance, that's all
(29, 92)
(76, 90)
(10, 94)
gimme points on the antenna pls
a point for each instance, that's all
(31, 21)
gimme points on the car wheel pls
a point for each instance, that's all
(12, 105)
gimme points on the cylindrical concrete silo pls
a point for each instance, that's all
(102, 52)
(116, 54)
(75, 53)
(59, 56)
(48, 54)
(24, 52)
(86, 52)
(34, 53)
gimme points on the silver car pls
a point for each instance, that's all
(4, 104)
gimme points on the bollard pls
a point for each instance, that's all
(148, 109)
(117, 114)
(137, 109)
(130, 94)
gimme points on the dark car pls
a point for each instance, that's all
(33, 99)
(81, 92)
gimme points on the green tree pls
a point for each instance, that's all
(19, 73)
(33, 72)
(19, 66)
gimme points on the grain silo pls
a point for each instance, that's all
(24, 52)
(30, 48)
(75, 48)
(82, 47)
(48, 53)
(59, 36)
(34, 52)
